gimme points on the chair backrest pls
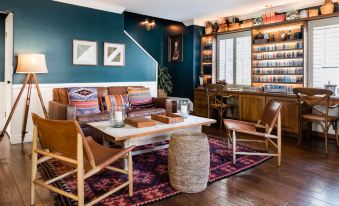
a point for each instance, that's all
(271, 113)
(314, 97)
(215, 91)
(60, 136)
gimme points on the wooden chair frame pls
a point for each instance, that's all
(216, 95)
(275, 140)
(79, 169)
(271, 119)
(323, 98)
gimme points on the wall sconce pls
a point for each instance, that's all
(149, 24)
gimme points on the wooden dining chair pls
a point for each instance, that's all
(216, 94)
(270, 119)
(63, 140)
(313, 99)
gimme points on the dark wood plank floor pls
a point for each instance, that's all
(306, 177)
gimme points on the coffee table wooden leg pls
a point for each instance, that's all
(126, 144)
(105, 141)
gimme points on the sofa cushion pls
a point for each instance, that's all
(107, 101)
(140, 97)
(97, 117)
(120, 90)
(63, 95)
(142, 112)
(85, 99)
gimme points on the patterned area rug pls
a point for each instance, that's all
(151, 181)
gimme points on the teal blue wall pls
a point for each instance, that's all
(185, 74)
(152, 41)
(155, 42)
(45, 26)
(2, 47)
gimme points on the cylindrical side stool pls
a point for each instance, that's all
(188, 161)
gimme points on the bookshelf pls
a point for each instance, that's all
(278, 61)
(208, 57)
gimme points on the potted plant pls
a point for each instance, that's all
(165, 85)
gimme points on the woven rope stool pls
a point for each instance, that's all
(188, 161)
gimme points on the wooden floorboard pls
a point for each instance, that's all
(306, 177)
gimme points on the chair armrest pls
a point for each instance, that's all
(59, 111)
(162, 102)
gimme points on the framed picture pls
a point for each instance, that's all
(175, 48)
(85, 52)
(114, 54)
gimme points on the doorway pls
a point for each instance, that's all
(6, 64)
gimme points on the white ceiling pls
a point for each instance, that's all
(194, 11)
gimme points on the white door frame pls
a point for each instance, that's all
(9, 45)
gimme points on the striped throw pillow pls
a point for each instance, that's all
(107, 101)
(85, 100)
(140, 97)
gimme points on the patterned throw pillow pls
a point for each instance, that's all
(85, 99)
(107, 101)
(140, 97)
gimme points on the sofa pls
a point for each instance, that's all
(60, 108)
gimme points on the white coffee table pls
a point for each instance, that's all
(128, 135)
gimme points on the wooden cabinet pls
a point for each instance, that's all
(251, 107)
(200, 103)
(289, 113)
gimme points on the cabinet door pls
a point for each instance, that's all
(200, 103)
(289, 114)
(251, 107)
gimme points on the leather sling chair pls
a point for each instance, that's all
(270, 119)
(310, 99)
(64, 141)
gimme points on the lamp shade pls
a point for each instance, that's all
(31, 63)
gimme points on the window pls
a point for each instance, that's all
(234, 58)
(324, 61)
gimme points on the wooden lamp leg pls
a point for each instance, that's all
(40, 96)
(27, 79)
(27, 103)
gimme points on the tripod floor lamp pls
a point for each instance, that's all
(29, 64)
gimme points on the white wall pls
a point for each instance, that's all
(2, 104)
(46, 90)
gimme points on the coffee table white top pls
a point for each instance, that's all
(128, 132)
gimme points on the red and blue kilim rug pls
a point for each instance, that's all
(151, 181)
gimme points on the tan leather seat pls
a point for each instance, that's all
(236, 125)
(63, 140)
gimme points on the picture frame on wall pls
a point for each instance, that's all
(85, 53)
(175, 48)
(114, 54)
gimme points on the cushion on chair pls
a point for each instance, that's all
(107, 101)
(84, 99)
(140, 97)
(145, 112)
(236, 125)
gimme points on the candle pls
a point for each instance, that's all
(118, 116)
(183, 109)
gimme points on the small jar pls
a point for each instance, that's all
(117, 116)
